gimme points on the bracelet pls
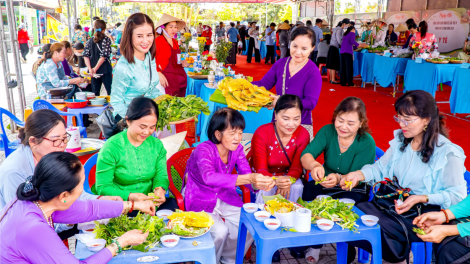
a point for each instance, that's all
(119, 246)
(447, 217)
(99, 197)
(132, 207)
(115, 247)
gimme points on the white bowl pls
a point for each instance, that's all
(164, 214)
(325, 224)
(369, 220)
(272, 224)
(96, 245)
(262, 215)
(322, 196)
(348, 201)
(88, 228)
(170, 240)
(250, 207)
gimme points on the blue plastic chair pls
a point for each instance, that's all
(42, 104)
(89, 164)
(5, 144)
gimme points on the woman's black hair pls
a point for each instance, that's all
(98, 36)
(57, 172)
(304, 31)
(327, 38)
(423, 28)
(410, 21)
(422, 104)
(223, 119)
(350, 28)
(78, 27)
(140, 107)
(352, 104)
(340, 23)
(288, 101)
(38, 124)
(412, 26)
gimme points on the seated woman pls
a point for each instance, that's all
(446, 249)
(277, 146)
(465, 54)
(50, 196)
(391, 37)
(44, 133)
(211, 186)
(423, 160)
(302, 77)
(69, 67)
(132, 163)
(347, 146)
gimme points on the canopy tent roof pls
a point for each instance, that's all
(209, 1)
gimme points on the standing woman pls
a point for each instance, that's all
(23, 40)
(135, 74)
(297, 75)
(333, 60)
(347, 57)
(96, 55)
(207, 33)
(428, 40)
(170, 69)
(253, 44)
(242, 32)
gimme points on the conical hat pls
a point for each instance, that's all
(401, 28)
(284, 26)
(324, 23)
(167, 19)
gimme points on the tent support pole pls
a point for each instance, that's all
(68, 20)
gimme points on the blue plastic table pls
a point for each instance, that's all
(262, 49)
(85, 110)
(247, 43)
(267, 242)
(357, 63)
(193, 86)
(252, 120)
(427, 76)
(367, 68)
(386, 70)
(184, 251)
(460, 96)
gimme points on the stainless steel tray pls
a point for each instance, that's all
(90, 142)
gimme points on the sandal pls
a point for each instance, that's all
(312, 255)
(334, 82)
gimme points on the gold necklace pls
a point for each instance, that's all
(301, 65)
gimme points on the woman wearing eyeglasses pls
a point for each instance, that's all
(425, 163)
(44, 133)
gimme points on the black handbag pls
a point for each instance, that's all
(108, 125)
(384, 200)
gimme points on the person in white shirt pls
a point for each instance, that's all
(199, 30)
(253, 44)
(380, 36)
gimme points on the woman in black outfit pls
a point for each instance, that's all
(242, 32)
(96, 55)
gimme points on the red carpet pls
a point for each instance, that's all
(380, 109)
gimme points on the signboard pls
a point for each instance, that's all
(397, 18)
(449, 27)
(56, 30)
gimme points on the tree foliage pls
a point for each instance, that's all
(371, 7)
(349, 9)
(337, 7)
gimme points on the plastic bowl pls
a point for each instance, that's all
(369, 220)
(97, 101)
(88, 228)
(322, 196)
(170, 240)
(76, 103)
(96, 245)
(272, 224)
(164, 214)
(348, 201)
(262, 215)
(325, 224)
(250, 207)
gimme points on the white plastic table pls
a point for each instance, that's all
(185, 251)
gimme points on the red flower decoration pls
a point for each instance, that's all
(205, 53)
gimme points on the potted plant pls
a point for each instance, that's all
(222, 50)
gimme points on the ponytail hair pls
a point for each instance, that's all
(423, 28)
(57, 172)
(56, 47)
(99, 28)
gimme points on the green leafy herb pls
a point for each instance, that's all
(178, 108)
(189, 231)
(333, 210)
(292, 179)
(322, 180)
(249, 78)
(419, 231)
(288, 229)
(120, 225)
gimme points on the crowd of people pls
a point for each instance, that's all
(41, 187)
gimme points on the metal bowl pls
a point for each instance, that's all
(97, 144)
(60, 91)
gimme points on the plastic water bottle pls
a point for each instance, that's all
(198, 56)
(48, 95)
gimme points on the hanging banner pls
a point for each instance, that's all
(397, 18)
(451, 27)
(42, 23)
(56, 30)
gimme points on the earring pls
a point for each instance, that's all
(34, 147)
(65, 201)
(426, 126)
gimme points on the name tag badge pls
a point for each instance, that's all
(363, 51)
(387, 54)
(465, 65)
(419, 60)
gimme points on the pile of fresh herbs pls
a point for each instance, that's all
(333, 210)
(120, 225)
(178, 108)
